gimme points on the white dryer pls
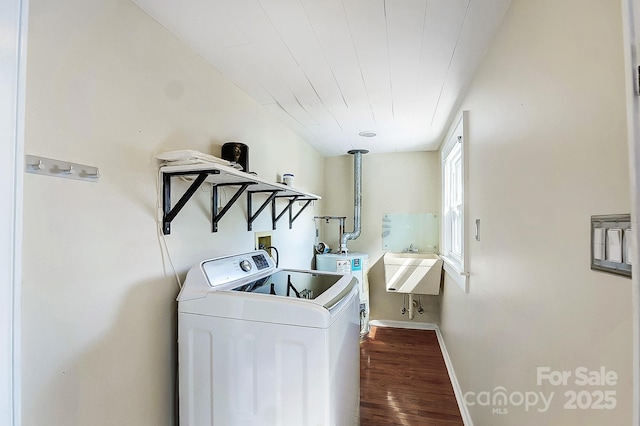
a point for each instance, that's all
(258, 345)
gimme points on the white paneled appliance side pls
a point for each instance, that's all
(262, 346)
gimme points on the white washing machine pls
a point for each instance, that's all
(258, 345)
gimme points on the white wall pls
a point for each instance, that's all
(547, 149)
(391, 183)
(109, 87)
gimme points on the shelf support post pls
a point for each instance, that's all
(274, 218)
(292, 219)
(215, 216)
(170, 213)
(262, 207)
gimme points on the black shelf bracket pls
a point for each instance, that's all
(215, 202)
(293, 217)
(168, 213)
(252, 217)
(220, 176)
(276, 217)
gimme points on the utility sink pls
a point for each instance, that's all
(417, 273)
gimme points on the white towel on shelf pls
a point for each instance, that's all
(190, 156)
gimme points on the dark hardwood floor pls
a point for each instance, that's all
(404, 380)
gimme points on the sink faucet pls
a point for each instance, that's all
(411, 249)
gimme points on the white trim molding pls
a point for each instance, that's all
(631, 33)
(457, 267)
(458, 275)
(457, 390)
(13, 21)
(404, 324)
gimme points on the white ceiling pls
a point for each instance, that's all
(330, 69)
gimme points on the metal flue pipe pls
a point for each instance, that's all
(357, 199)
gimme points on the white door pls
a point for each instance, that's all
(13, 16)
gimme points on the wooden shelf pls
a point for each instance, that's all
(220, 175)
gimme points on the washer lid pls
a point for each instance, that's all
(291, 283)
(263, 306)
(249, 286)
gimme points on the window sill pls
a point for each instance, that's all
(456, 273)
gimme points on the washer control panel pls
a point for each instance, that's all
(261, 261)
(231, 268)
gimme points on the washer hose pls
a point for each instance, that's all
(277, 259)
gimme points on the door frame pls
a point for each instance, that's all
(13, 20)
(631, 33)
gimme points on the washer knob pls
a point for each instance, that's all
(245, 265)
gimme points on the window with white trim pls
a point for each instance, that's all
(453, 213)
(453, 198)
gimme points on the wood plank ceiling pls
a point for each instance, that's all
(330, 69)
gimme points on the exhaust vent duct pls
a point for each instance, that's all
(357, 199)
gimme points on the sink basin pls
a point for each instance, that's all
(417, 273)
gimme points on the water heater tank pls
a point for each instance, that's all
(356, 264)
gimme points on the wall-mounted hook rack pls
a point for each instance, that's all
(35, 166)
(92, 174)
(65, 170)
(62, 169)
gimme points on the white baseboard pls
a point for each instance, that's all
(404, 324)
(457, 390)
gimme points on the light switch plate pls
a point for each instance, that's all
(609, 245)
(598, 243)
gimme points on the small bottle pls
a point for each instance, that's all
(287, 179)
